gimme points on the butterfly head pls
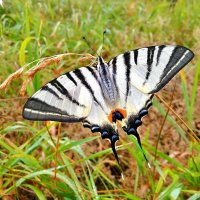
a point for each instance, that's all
(102, 66)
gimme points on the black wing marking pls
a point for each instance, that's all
(139, 73)
(68, 98)
(151, 68)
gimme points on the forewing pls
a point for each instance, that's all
(72, 97)
(150, 69)
(89, 78)
(63, 99)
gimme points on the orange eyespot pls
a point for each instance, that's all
(121, 111)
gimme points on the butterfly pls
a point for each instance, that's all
(119, 90)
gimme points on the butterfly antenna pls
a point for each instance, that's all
(103, 41)
(86, 41)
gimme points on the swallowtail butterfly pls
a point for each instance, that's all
(121, 89)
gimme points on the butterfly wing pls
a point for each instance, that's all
(62, 99)
(72, 97)
(69, 98)
(140, 73)
(149, 69)
(136, 75)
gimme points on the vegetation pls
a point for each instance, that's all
(70, 162)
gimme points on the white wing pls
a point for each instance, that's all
(72, 97)
(136, 75)
(140, 73)
(150, 69)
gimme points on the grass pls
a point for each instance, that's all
(31, 30)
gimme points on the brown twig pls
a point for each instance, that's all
(56, 156)
(44, 62)
(50, 134)
(191, 133)
(12, 76)
(159, 135)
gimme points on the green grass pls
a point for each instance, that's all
(31, 30)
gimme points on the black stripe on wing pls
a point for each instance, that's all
(83, 80)
(47, 88)
(128, 68)
(91, 70)
(135, 55)
(39, 105)
(114, 71)
(160, 49)
(65, 92)
(180, 57)
(36, 109)
(150, 56)
(69, 76)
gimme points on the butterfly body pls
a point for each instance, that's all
(107, 85)
(121, 89)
